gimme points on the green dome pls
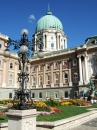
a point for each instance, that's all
(48, 21)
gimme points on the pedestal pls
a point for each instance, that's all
(22, 119)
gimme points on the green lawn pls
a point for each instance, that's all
(67, 111)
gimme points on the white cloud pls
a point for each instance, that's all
(32, 17)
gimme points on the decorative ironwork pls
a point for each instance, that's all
(22, 95)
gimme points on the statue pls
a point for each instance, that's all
(92, 85)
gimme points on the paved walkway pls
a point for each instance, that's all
(90, 125)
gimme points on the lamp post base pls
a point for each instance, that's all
(22, 119)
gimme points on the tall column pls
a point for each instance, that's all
(37, 84)
(60, 72)
(52, 76)
(70, 78)
(80, 71)
(44, 78)
(86, 70)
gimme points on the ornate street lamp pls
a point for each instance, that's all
(23, 95)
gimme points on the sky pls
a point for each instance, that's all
(78, 17)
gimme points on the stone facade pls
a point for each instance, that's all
(62, 73)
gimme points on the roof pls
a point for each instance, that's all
(48, 21)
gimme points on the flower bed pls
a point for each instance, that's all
(49, 107)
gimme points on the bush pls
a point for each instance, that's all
(52, 103)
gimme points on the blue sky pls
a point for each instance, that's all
(79, 17)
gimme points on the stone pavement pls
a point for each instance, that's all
(90, 125)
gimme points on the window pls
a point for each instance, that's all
(65, 78)
(52, 37)
(75, 77)
(41, 68)
(33, 95)
(11, 66)
(75, 94)
(75, 62)
(40, 80)
(52, 45)
(65, 64)
(40, 94)
(56, 95)
(0, 46)
(48, 94)
(33, 81)
(27, 68)
(10, 79)
(56, 65)
(56, 78)
(33, 69)
(66, 94)
(10, 95)
(48, 79)
(47, 66)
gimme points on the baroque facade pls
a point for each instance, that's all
(62, 73)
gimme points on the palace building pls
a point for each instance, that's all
(62, 73)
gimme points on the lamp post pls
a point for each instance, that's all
(22, 94)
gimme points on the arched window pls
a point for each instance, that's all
(75, 77)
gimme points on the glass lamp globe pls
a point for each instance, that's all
(24, 31)
(6, 53)
(40, 54)
(23, 49)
